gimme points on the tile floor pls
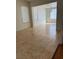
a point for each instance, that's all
(37, 43)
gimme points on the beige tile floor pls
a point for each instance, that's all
(37, 43)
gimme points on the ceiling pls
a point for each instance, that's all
(40, 0)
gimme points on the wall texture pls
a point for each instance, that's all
(19, 24)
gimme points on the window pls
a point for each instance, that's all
(24, 14)
(53, 13)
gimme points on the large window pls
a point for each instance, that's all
(53, 13)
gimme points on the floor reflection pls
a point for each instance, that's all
(51, 29)
(46, 29)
